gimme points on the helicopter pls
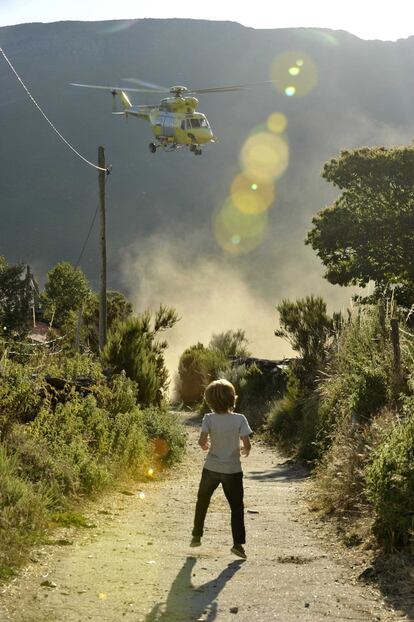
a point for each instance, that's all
(175, 121)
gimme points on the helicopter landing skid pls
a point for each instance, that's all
(167, 146)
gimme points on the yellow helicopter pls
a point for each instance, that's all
(174, 122)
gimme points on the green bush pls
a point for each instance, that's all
(74, 366)
(129, 443)
(133, 347)
(198, 366)
(358, 380)
(20, 396)
(285, 417)
(390, 484)
(166, 433)
(22, 513)
(339, 477)
(120, 396)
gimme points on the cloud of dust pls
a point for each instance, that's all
(210, 296)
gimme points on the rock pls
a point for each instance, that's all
(234, 609)
(307, 605)
(48, 583)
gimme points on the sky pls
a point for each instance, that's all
(367, 19)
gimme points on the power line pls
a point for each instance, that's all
(87, 237)
(89, 232)
(107, 170)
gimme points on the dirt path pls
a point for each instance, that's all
(136, 564)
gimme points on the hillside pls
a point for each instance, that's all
(160, 208)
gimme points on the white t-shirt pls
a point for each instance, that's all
(225, 431)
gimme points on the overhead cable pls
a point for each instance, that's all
(99, 168)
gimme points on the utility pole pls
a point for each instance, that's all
(102, 298)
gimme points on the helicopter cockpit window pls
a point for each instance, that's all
(183, 125)
(204, 123)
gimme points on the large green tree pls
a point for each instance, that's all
(367, 234)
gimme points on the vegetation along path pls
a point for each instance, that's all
(136, 565)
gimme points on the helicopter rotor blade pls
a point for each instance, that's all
(118, 88)
(230, 88)
(150, 85)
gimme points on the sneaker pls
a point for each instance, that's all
(195, 541)
(238, 550)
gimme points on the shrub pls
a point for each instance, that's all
(197, 367)
(120, 396)
(192, 374)
(22, 514)
(357, 382)
(129, 443)
(74, 366)
(133, 347)
(166, 433)
(285, 416)
(20, 398)
(339, 477)
(232, 343)
(390, 484)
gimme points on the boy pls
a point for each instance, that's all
(222, 464)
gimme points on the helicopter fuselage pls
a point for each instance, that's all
(174, 122)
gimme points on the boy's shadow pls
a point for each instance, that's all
(185, 602)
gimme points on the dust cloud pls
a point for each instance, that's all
(213, 294)
(209, 296)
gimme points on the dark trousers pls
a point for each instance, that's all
(233, 489)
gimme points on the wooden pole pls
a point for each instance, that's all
(102, 298)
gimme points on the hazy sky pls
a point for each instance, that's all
(368, 19)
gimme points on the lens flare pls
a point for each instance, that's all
(251, 197)
(237, 232)
(160, 447)
(295, 74)
(277, 122)
(265, 155)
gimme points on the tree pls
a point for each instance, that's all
(133, 347)
(66, 289)
(367, 234)
(306, 325)
(118, 308)
(231, 343)
(14, 300)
